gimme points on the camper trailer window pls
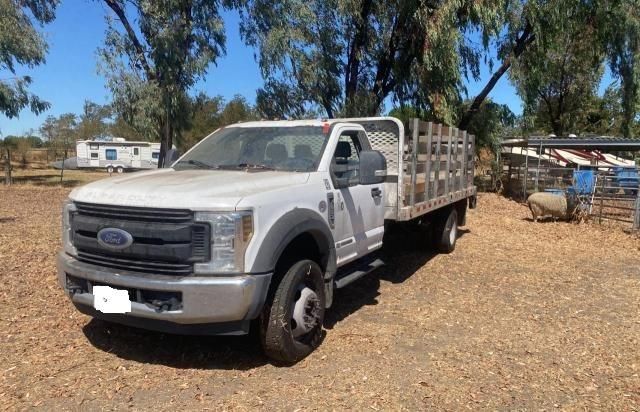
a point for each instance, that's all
(155, 155)
(136, 151)
(111, 154)
(94, 146)
(94, 155)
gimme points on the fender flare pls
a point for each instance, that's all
(288, 227)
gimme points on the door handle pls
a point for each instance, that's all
(376, 192)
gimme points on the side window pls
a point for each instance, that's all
(136, 151)
(155, 155)
(94, 146)
(346, 159)
(94, 155)
(111, 154)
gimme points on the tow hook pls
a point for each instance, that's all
(165, 305)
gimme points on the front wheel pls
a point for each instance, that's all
(293, 317)
(446, 232)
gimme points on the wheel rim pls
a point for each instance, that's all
(306, 312)
(453, 232)
(120, 170)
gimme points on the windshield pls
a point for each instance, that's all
(294, 149)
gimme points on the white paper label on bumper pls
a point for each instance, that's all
(109, 300)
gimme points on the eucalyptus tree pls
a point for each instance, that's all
(620, 34)
(22, 46)
(347, 57)
(154, 52)
(560, 72)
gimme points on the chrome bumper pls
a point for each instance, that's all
(205, 300)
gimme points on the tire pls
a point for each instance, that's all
(120, 170)
(282, 338)
(109, 169)
(446, 232)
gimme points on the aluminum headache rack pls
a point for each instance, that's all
(429, 167)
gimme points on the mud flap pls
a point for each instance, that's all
(473, 200)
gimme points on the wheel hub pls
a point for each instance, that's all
(306, 312)
(453, 233)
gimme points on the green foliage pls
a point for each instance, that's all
(94, 121)
(150, 67)
(211, 113)
(560, 72)
(346, 57)
(21, 45)
(620, 33)
(60, 133)
(491, 124)
(15, 141)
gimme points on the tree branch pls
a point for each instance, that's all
(527, 37)
(119, 11)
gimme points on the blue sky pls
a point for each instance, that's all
(70, 76)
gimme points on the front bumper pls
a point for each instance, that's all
(208, 305)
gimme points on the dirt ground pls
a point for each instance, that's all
(520, 316)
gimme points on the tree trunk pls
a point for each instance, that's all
(526, 38)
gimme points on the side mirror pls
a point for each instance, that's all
(373, 167)
(170, 157)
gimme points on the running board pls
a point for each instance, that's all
(358, 272)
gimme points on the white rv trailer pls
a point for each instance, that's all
(117, 155)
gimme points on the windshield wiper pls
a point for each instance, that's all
(201, 164)
(255, 166)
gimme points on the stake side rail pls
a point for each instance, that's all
(439, 168)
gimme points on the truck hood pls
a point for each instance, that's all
(185, 189)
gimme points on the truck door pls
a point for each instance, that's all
(359, 209)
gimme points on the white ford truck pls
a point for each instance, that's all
(259, 223)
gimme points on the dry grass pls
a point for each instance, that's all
(520, 316)
(51, 177)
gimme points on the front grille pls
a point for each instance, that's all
(134, 265)
(140, 214)
(200, 243)
(165, 241)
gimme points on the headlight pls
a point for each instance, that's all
(68, 208)
(230, 235)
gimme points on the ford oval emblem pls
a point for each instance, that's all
(113, 238)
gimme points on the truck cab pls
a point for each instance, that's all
(255, 226)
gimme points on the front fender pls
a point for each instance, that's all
(288, 227)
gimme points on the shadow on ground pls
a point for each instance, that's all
(177, 351)
(404, 253)
(47, 180)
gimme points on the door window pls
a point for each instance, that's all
(136, 151)
(346, 159)
(111, 154)
(94, 155)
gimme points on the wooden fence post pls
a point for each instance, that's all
(7, 168)
(636, 217)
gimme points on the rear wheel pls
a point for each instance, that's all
(446, 232)
(120, 169)
(291, 326)
(109, 169)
